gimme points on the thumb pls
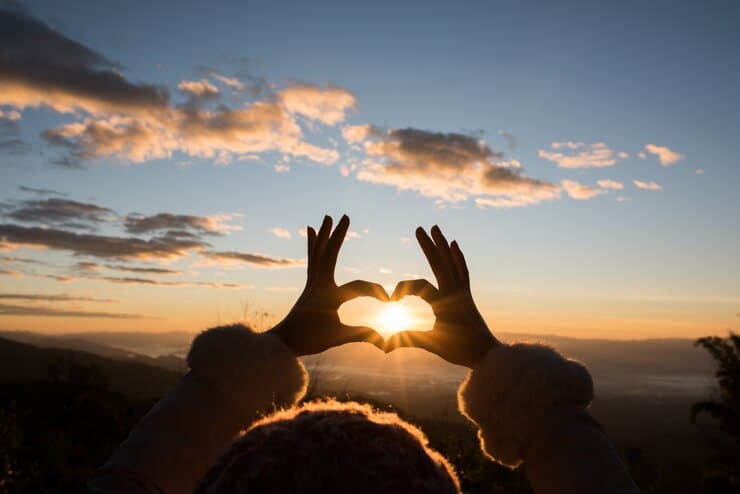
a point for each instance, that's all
(352, 334)
(413, 339)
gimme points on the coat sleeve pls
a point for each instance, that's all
(530, 405)
(236, 376)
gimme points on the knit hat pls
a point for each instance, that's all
(328, 446)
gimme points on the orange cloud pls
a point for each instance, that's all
(610, 184)
(280, 232)
(201, 88)
(450, 167)
(647, 185)
(138, 122)
(665, 155)
(355, 134)
(580, 191)
(162, 247)
(254, 259)
(569, 154)
(327, 105)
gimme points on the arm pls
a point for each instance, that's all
(529, 402)
(236, 376)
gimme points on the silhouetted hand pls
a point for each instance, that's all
(313, 324)
(460, 335)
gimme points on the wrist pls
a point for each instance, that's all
(486, 344)
(281, 331)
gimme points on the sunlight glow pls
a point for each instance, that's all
(393, 318)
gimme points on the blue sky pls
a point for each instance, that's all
(627, 262)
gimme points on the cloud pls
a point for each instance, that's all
(137, 122)
(254, 259)
(699, 171)
(41, 192)
(327, 105)
(580, 191)
(219, 135)
(280, 232)
(201, 89)
(52, 297)
(58, 278)
(231, 82)
(647, 185)
(355, 134)
(282, 168)
(42, 67)
(665, 155)
(130, 280)
(59, 211)
(451, 167)
(610, 184)
(87, 266)
(9, 141)
(23, 260)
(158, 247)
(569, 154)
(119, 136)
(10, 116)
(135, 269)
(242, 81)
(623, 155)
(180, 225)
(35, 311)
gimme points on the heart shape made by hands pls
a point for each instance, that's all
(388, 318)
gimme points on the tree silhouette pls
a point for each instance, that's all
(725, 408)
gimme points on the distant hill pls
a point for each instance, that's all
(666, 366)
(24, 362)
(152, 344)
(80, 342)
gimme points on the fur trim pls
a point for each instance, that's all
(254, 370)
(514, 389)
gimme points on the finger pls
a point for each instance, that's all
(413, 339)
(420, 288)
(321, 239)
(362, 288)
(460, 264)
(432, 255)
(329, 262)
(444, 251)
(352, 334)
(311, 237)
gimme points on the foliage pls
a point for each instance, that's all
(724, 407)
(55, 433)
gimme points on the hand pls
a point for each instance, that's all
(313, 324)
(459, 335)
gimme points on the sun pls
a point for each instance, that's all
(393, 318)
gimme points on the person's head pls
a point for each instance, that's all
(327, 446)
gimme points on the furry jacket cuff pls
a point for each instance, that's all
(514, 390)
(255, 370)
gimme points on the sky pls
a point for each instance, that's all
(160, 161)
